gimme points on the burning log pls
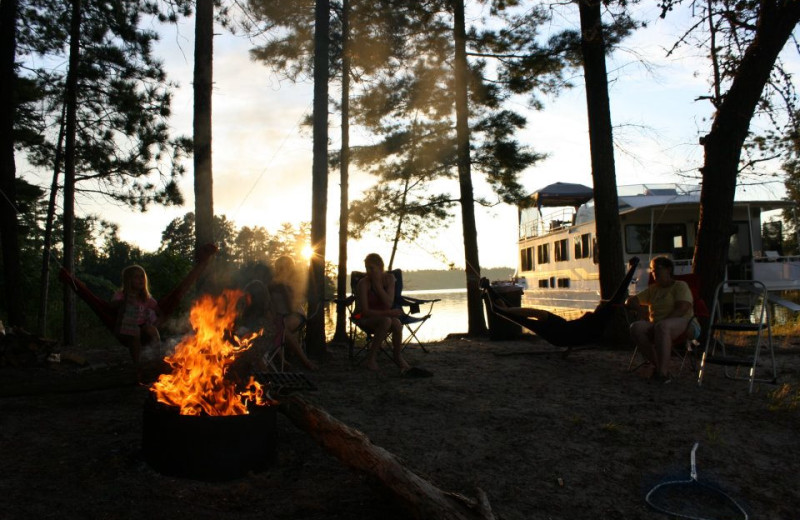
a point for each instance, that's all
(420, 497)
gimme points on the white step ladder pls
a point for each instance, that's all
(738, 330)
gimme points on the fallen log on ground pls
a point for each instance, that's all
(352, 447)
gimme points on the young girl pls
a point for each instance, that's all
(137, 312)
(285, 289)
(375, 295)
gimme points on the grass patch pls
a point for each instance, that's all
(713, 434)
(611, 427)
(787, 397)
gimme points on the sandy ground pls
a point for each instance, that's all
(546, 437)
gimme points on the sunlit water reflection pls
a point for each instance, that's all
(449, 315)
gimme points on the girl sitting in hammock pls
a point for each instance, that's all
(133, 307)
(137, 312)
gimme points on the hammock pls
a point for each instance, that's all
(568, 333)
(108, 311)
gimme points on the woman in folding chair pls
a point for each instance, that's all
(375, 295)
(671, 315)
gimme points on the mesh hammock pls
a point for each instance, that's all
(694, 499)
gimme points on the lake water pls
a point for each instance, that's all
(449, 315)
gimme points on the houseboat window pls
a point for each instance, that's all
(544, 284)
(562, 282)
(528, 220)
(561, 250)
(582, 249)
(526, 259)
(595, 256)
(772, 236)
(543, 254)
(667, 238)
(739, 242)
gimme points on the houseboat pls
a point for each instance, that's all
(557, 242)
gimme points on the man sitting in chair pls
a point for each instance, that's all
(671, 312)
(374, 312)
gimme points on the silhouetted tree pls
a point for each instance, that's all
(319, 182)
(203, 176)
(601, 142)
(747, 50)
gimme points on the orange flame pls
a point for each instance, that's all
(197, 383)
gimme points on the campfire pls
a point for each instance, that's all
(198, 425)
(198, 383)
(197, 422)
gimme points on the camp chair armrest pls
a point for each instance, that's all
(413, 303)
(407, 319)
(411, 299)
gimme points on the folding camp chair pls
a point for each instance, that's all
(684, 346)
(740, 331)
(275, 356)
(411, 324)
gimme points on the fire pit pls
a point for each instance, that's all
(209, 448)
(197, 423)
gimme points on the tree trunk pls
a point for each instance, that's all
(475, 322)
(9, 234)
(319, 181)
(340, 335)
(601, 142)
(47, 242)
(71, 100)
(420, 498)
(401, 216)
(203, 177)
(723, 144)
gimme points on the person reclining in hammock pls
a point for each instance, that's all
(133, 315)
(553, 328)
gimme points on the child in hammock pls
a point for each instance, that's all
(137, 312)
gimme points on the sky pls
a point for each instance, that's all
(262, 156)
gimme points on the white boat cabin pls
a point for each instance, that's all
(557, 242)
